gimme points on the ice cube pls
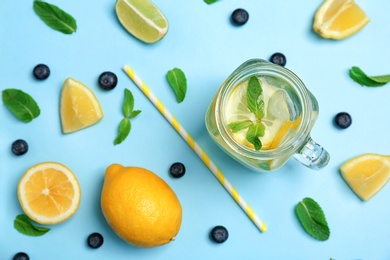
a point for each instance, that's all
(280, 106)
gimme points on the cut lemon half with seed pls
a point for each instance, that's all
(142, 19)
(79, 107)
(366, 174)
(49, 193)
(339, 19)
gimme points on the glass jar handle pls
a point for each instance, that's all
(313, 155)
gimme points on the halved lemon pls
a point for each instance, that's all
(339, 19)
(79, 107)
(142, 19)
(49, 193)
(366, 174)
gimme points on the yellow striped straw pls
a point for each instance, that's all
(196, 148)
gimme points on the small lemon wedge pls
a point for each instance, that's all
(366, 174)
(142, 19)
(79, 107)
(339, 19)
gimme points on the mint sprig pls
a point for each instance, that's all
(128, 113)
(313, 219)
(23, 224)
(370, 81)
(55, 17)
(209, 2)
(21, 104)
(255, 129)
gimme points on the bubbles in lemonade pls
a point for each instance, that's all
(280, 119)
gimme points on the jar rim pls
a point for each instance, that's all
(262, 67)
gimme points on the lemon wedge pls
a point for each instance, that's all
(49, 193)
(366, 174)
(79, 107)
(142, 19)
(339, 19)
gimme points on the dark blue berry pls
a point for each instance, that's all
(278, 58)
(240, 16)
(177, 170)
(108, 80)
(41, 71)
(343, 120)
(19, 147)
(21, 256)
(219, 234)
(95, 240)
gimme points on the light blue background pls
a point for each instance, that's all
(204, 44)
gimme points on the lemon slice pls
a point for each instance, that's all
(142, 19)
(339, 19)
(79, 107)
(366, 174)
(49, 193)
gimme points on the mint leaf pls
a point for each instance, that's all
(238, 126)
(210, 1)
(178, 82)
(54, 17)
(128, 103)
(134, 113)
(313, 219)
(254, 132)
(370, 81)
(253, 93)
(123, 131)
(24, 225)
(21, 104)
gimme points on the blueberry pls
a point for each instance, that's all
(278, 58)
(240, 16)
(95, 240)
(21, 256)
(219, 234)
(343, 120)
(19, 147)
(177, 170)
(41, 71)
(108, 80)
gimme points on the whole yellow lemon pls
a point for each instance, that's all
(140, 206)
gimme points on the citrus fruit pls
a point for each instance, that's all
(140, 206)
(339, 19)
(142, 19)
(79, 107)
(49, 193)
(366, 174)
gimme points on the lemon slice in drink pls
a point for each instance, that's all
(142, 19)
(277, 112)
(339, 19)
(49, 193)
(79, 107)
(366, 174)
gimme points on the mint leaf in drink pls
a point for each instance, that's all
(313, 219)
(178, 82)
(21, 104)
(128, 113)
(123, 131)
(370, 81)
(24, 225)
(238, 126)
(253, 93)
(128, 103)
(254, 132)
(54, 17)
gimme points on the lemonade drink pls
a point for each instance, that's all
(264, 130)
